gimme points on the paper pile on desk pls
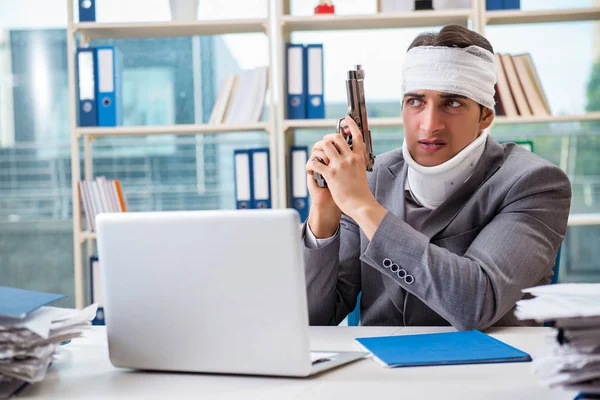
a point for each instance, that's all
(28, 344)
(571, 357)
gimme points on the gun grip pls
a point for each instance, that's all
(320, 180)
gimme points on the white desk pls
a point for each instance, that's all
(83, 370)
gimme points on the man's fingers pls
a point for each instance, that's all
(319, 155)
(314, 165)
(330, 151)
(339, 141)
(358, 146)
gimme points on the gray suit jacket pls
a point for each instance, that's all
(499, 233)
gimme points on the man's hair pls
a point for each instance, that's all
(452, 36)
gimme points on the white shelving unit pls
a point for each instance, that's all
(477, 15)
(278, 27)
(78, 34)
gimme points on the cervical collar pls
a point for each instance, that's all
(430, 186)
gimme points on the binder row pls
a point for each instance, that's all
(99, 86)
(519, 91)
(98, 196)
(304, 83)
(252, 178)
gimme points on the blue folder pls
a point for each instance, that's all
(467, 347)
(109, 65)
(87, 10)
(18, 303)
(86, 86)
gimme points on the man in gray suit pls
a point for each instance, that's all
(446, 230)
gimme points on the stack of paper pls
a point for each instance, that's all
(31, 333)
(571, 357)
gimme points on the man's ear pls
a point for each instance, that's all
(487, 117)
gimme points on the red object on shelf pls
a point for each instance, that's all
(325, 7)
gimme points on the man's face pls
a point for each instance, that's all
(437, 125)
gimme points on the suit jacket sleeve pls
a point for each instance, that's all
(515, 250)
(333, 275)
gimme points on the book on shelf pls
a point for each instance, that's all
(98, 196)
(241, 97)
(519, 91)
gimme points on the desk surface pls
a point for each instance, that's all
(83, 370)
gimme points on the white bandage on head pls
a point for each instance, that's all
(468, 71)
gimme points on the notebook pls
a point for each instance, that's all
(18, 303)
(467, 347)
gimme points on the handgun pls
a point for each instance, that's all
(357, 110)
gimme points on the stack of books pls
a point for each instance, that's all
(100, 195)
(519, 91)
(241, 98)
(30, 334)
(571, 357)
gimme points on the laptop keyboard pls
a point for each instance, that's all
(319, 357)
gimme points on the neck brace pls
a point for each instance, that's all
(431, 186)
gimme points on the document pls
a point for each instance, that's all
(571, 356)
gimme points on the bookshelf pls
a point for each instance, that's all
(478, 18)
(79, 34)
(278, 27)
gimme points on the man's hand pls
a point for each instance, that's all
(344, 169)
(324, 216)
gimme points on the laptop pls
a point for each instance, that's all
(220, 291)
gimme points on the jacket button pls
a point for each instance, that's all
(402, 273)
(409, 279)
(387, 262)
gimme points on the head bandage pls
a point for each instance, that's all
(468, 71)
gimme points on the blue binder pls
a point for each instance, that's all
(87, 10)
(315, 105)
(491, 5)
(466, 347)
(19, 303)
(244, 197)
(86, 86)
(108, 92)
(512, 4)
(298, 159)
(261, 182)
(96, 290)
(295, 88)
